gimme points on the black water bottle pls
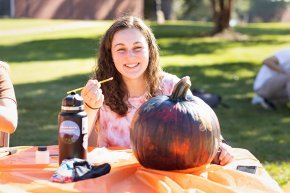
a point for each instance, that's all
(73, 128)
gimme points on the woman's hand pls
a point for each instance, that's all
(92, 94)
(225, 156)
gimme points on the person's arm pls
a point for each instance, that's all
(8, 115)
(273, 63)
(226, 154)
(93, 99)
(8, 106)
(92, 118)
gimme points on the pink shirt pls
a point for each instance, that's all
(115, 129)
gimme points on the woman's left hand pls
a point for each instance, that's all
(226, 155)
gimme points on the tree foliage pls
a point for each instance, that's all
(267, 10)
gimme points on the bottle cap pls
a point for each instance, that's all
(72, 100)
(42, 148)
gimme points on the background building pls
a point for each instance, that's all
(71, 9)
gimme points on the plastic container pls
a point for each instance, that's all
(42, 155)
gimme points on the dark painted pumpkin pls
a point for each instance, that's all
(175, 132)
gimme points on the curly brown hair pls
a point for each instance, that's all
(115, 92)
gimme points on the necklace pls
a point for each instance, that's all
(136, 102)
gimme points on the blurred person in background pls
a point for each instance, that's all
(272, 84)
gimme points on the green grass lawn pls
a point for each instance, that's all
(47, 63)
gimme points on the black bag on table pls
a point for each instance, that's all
(213, 100)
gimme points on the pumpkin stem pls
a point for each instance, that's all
(180, 89)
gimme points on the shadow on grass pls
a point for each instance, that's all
(80, 48)
(192, 47)
(50, 49)
(179, 39)
(262, 132)
(202, 29)
(171, 30)
(256, 31)
(38, 106)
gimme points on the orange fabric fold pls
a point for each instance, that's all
(19, 173)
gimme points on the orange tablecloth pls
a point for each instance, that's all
(18, 173)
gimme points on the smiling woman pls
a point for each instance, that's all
(129, 53)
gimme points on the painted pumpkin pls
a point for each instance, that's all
(175, 132)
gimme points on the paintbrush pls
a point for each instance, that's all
(101, 82)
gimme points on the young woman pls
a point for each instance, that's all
(129, 53)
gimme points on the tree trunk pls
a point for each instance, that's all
(159, 12)
(166, 7)
(221, 14)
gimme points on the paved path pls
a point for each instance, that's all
(52, 28)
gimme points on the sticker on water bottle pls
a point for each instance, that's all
(69, 132)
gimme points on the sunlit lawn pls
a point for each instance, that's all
(46, 64)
